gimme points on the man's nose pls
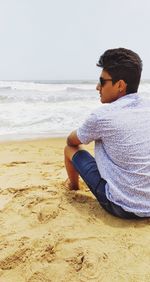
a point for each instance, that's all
(98, 87)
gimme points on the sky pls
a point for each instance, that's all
(63, 39)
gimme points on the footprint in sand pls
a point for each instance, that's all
(51, 211)
(44, 204)
(76, 261)
(91, 267)
(14, 258)
(48, 253)
(88, 265)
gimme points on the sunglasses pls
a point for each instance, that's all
(102, 81)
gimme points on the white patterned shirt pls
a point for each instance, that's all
(121, 131)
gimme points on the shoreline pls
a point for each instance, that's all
(26, 139)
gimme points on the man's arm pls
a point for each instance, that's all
(72, 139)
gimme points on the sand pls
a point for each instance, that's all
(51, 234)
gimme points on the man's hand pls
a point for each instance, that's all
(72, 139)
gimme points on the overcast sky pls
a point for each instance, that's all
(63, 39)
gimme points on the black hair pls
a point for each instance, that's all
(123, 64)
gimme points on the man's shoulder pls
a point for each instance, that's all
(108, 108)
(125, 103)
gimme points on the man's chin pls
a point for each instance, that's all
(102, 100)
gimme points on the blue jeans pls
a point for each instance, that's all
(86, 166)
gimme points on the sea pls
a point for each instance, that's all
(43, 109)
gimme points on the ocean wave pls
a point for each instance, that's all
(32, 111)
(46, 97)
(45, 87)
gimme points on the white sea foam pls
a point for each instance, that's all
(48, 87)
(31, 109)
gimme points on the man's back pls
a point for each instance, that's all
(122, 150)
(126, 152)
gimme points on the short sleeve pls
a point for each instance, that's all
(90, 130)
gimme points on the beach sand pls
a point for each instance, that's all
(51, 234)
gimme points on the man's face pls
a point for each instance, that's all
(108, 92)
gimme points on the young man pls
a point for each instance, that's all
(119, 175)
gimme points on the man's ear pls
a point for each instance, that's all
(122, 86)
